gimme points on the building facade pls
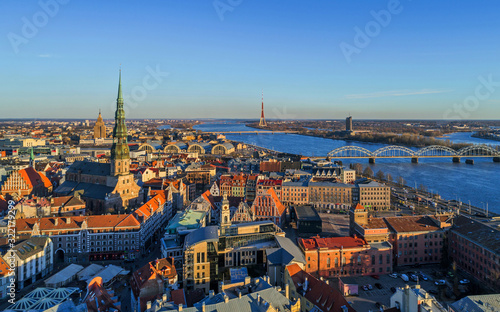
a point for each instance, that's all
(33, 260)
(346, 256)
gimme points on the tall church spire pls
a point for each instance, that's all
(119, 149)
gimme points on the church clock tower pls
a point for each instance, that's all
(225, 213)
(120, 158)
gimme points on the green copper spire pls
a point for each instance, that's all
(120, 97)
(32, 158)
(120, 150)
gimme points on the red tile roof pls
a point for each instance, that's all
(332, 242)
(411, 224)
(319, 293)
(73, 223)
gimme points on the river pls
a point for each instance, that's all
(475, 183)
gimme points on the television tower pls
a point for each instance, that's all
(262, 122)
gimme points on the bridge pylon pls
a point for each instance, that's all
(371, 160)
(456, 159)
(414, 160)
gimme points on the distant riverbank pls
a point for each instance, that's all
(405, 139)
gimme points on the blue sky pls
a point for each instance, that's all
(421, 60)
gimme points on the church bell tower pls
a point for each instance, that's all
(120, 157)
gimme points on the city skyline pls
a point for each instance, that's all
(212, 60)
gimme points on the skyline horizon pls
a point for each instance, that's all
(310, 59)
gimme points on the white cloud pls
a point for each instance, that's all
(394, 93)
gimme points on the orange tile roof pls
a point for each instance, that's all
(145, 210)
(358, 206)
(74, 223)
(277, 202)
(4, 268)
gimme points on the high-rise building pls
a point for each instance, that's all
(99, 128)
(348, 124)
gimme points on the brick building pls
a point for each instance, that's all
(346, 256)
(474, 247)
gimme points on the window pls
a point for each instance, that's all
(373, 259)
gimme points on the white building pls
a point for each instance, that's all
(33, 260)
(415, 299)
(4, 278)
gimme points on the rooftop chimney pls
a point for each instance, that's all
(148, 305)
(287, 291)
(180, 307)
(226, 299)
(211, 294)
(203, 307)
(56, 221)
(258, 298)
(239, 294)
(68, 220)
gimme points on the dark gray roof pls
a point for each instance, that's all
(479, 303)
(86, 190)
(66, 188)
(204, 234)
(30, 246)
(278, 256)
(478, 232)
(291, 248)
(307, 213)
(91, 168)
(245, 303)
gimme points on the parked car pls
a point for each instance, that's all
(464, 281)
(404, 277)
(375, 276)
(393, 289)
(450, 274)
(433, 291)
(365, 288)
(393, 275)
(370, 287)
(440, 282)
(414, 278)
(424, 277)
(379, 286)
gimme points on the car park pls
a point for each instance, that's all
(379, 286)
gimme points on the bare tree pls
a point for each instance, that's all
(368, 172)
(358, 167)
(388, 177)
(401, 181)
(380, 175)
